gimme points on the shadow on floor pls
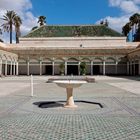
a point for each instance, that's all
(54, 104)
(135, 78)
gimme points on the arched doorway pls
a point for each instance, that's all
(72, 66)
(47, 67)
(97, 66)
(110, 66)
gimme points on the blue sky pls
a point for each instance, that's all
(73, 11)
(117, 12)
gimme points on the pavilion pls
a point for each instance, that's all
(43, 50)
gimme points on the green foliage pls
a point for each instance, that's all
(34, 28)
(126, 28)
(83, 68)
(73, 31)
(134, 25)
(42, 20)
(0, 31)
(62, 68)
(11, 18)
(17, 24)
(1, 40)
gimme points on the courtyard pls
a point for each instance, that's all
(22, 118)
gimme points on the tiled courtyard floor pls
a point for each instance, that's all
(22, 119)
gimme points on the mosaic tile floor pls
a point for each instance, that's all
(22, 119)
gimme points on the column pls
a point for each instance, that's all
(40, 64)
(6, 68)
(79, 68)
(28, 68)
(139, 67)
(16, 68)
(91, 68)
(65, 67)
(134, 68)
(116, 68)
(0, 67)
(11, 69)
(103, 67)
(14, 71)
(53, 68)
(128, 68)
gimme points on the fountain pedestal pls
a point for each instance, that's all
(70, 101)
(69, 85)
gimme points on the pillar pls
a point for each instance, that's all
(28, 68)
(116, 68)
(5, 67)
(16, 68)
(11, 68)
(53, 68)
(139, 67)
(128, 66)
(79, 68)
(91, 68)
(65, 67)
(104, 68)
(0, 67)
(40, 65)
(14, 71)
(134, 68)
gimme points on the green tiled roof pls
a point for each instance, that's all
(73, 31)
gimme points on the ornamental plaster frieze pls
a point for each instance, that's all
(73, 52)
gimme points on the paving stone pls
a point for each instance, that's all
(22, 119)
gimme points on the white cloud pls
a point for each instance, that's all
(22, 8)
(128, 8)
(116, 22)
(114, 2)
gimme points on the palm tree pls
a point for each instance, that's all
(41, 20)
(135, 19)
(17, 23)
(0, 31)
(8, 26)
(1, 34)
(126, 29)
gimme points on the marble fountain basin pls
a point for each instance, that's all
(69, 85)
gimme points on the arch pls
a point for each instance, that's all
(98, 59)
(111, 59)
(122, 59)
(47, 60)
(59, 60)
(72, 59)
(34, 62)
(85, 60)
(22, 61)
(4, 57)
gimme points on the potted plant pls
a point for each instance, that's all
(83, 68)
(62, 68)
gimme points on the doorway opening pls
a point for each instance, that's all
(72, 69)
(96, 70)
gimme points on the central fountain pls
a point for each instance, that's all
(69, 85)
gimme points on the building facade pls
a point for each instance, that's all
(44, 55)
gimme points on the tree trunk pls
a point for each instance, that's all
(10, 33)
(17, 38)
